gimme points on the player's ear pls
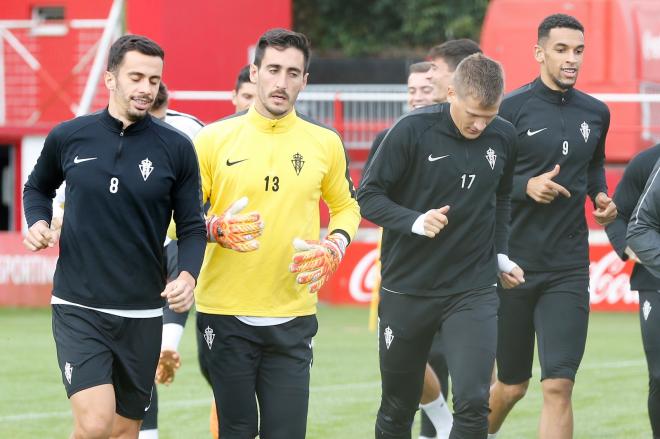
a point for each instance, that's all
(109, 80)
(304, 84)
(539, 54)
(451, 94)
(253, 73)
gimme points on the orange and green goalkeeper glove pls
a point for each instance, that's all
(235, 231)
(315, 261)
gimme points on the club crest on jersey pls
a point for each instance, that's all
(297, 162)
(209, 336)
(646, 309)
(68, 371)
(491, 157)
(146, 168)
(585, 130)
(389, 337)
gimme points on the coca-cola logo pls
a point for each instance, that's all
(364, 277)
(608, 283)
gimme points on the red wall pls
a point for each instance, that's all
(205, 45)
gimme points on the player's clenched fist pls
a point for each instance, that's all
(180, 292)
(40, 236)
(605, 211)
(435, 220)
(315, 261)
(235, 231)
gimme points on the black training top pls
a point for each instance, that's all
(567, 129)
(627, 194)
(425, 163)
(121, 188)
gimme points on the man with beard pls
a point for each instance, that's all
(256, 300)
(126, 172)
(561, 134)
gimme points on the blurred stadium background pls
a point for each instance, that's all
(52, 53)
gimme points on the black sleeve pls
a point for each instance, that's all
(644, 228)
(374, 147)
(46, 176)
(519, 182)
(625, 197)
(503, 207)
(387, 168)
(188, 211)
(596, 172)
(170, 316)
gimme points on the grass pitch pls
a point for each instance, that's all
(609, 397)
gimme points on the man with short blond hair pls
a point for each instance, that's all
(439, 185)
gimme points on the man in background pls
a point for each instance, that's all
(242, 96)
(173, 322)
(444, 59)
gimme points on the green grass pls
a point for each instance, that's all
(609, 398)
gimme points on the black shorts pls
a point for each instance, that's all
(95, 348)
(554, 307)
(271, 362)
(468, 333)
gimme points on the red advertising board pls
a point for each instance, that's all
(26, 277)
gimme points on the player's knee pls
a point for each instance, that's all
(557, 389)
(93, 427)
(471, 412)
(512, 393)
(654, 376)
(394, 421)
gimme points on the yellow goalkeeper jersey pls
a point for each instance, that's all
(284, 167)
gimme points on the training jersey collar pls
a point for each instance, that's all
(550, 95)
(272, 125)
(117, 125)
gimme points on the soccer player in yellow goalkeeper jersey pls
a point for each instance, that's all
(256, 295)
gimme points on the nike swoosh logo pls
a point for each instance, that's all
(76, 160)
(432, 159)
(233, 163)
(531, 133)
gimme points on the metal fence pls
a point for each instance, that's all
(357, 112)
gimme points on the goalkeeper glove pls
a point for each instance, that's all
(168, 363)
(315, 261)
(235, 231)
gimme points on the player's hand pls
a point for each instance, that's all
(168, 363)
(605, 211)
(435, 220)
(40, 236)
(631, 255)
(235, 231)
(315, 261)
(513, 278)
(543, 190)
(180, 292)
